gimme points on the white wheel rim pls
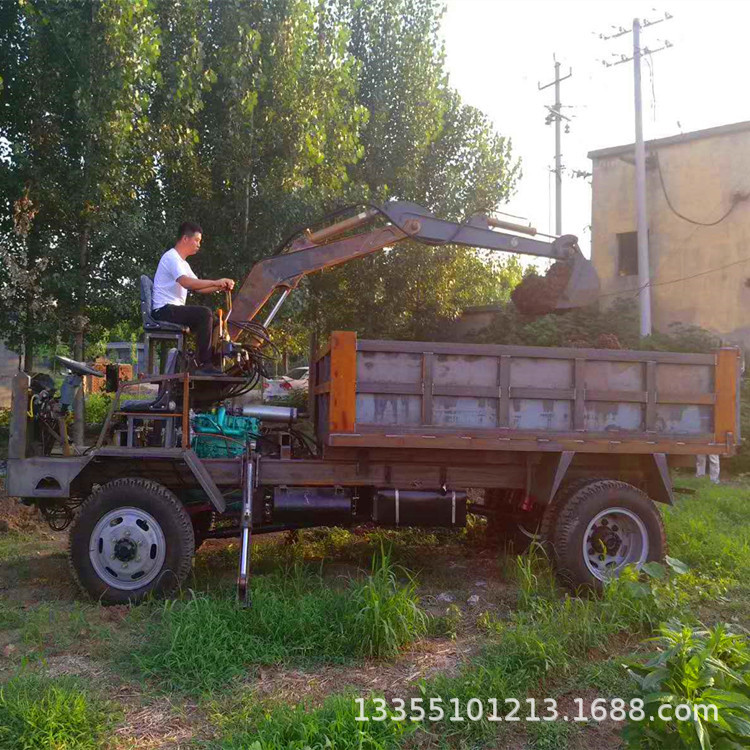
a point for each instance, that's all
(614, 538)
(127, 548)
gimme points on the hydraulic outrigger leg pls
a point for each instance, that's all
(246, 522)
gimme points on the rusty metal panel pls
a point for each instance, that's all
(389, 367)
(614, 376)
(684, 378)
(465, 370)
(489, 393)
(540, 414)
(388, 409)
(612, 416)
(535, 372)
(684, 419)
(464, 411)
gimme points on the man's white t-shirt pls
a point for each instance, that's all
(166, 289)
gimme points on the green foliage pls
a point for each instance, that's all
(301, 727)
(552, 637)
(710, 531)
(592, 327)
(97, 406)
(200, 642)
(38, 712)
(694, 667)
(123, 118)
(387, 612)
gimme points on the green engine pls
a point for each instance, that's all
(218, 434)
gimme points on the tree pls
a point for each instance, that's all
(81, 75)
(420, 143)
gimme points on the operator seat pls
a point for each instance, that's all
(157, 330)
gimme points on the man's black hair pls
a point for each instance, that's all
(189, 228)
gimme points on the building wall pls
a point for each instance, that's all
(701, 176)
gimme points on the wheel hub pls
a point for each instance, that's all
(127, 548)
(607, 542)
(614, 538)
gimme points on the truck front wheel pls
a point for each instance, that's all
(132, 537)
(601, 528)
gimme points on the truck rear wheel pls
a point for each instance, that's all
(132, 537)
(601, 528)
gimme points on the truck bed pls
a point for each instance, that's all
(432, 395)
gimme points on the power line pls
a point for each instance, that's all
(737, 198)
(638, 290)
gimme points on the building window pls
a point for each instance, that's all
(627, 254)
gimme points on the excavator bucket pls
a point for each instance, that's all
(582, 288)
(568, 284)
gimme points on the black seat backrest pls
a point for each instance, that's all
(149, 324)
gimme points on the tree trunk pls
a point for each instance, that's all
(28, 339)
(79, 412)
(29, 332)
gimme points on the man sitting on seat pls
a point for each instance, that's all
(173, 279)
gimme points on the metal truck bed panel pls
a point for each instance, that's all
(367, 393)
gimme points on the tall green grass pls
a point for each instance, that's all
(332, 726)
(710, 530)
(199, 643)
(38, 712)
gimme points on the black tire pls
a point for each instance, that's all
(563, 494)
(578, 509)
(139, 499)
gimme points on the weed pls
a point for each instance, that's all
(446, 625)
(38, 712)
(333, 725)
(549, 735)
(694, 667)
(387, 613)
(710, 530)
(200, 642)
(10, 617)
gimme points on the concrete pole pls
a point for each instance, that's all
(640, 189)
(558, 156)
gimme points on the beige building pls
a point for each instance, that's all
(699, 274)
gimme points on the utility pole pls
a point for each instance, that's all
(555, 115)
(644, 277)
(641, 209)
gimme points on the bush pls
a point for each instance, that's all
(707, 667)
(97, 406)
(594, 327)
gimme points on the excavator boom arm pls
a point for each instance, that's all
(314, 251)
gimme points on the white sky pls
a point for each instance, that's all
(499, 50)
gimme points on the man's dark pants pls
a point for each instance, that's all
(199, 319)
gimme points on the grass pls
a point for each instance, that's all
(710, 530)
(198, 643)
(529, 638)
(332, 725)
(59, 714)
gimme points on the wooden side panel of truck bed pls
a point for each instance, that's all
(430, 395)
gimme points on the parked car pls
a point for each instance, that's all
(296, 378)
